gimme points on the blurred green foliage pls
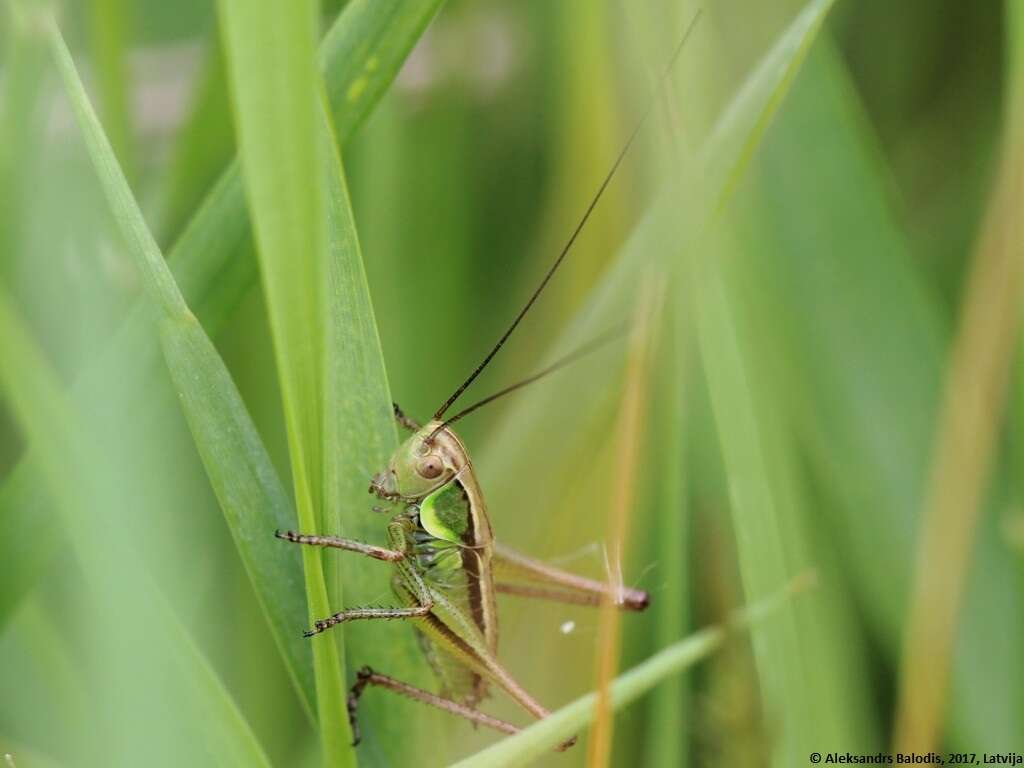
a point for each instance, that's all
(812, 289)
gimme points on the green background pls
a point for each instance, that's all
(802, 302)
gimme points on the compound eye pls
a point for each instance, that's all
(430, 467)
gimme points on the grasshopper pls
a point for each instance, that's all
(443, 550)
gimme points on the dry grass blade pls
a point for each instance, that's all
(630, 427)
(975, 396)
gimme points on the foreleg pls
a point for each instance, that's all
(351, 545)
(404, 421)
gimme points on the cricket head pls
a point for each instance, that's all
(422, 464)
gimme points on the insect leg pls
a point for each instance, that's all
(565, 586)
(404, 421)
(545, 593)
(420, 601)
(356, 614)
(442, 626)
(378, 553)
(367, 677)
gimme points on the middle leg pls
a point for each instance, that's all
(420, 603)
(357, 614)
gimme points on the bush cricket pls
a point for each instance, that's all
(443, 550)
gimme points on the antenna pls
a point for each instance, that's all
(586, 349)
(572, 238)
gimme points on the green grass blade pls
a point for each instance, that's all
(213, 264)
(109, 26)
(204, 145)
(24, 60)
(685, 206)
(26, 526)
(28, 517)
(538, 739)
(49, 420)
(671, 532)
(363, 52)
(275, 89)
(748, 115)
(250, 493)
(872, 356)
(160, 287)
(239, 468)
(359, 436)
(761, 539)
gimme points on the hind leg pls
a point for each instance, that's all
(367, 677)
(546, 582)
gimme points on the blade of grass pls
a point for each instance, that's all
(109, 33)
(543, 736)
(212, 261)
(649, 304)
(683, 207)
(275, 90)
(761, 540)
(47, 418)
(254, 501)
(781, 525)
(969, 420)
(729, 150)
(670, 533)
(159, 284)
(871, 358)
(24, 520)
(202, 147)
(242, 475)
(359, 436)
(363, 52)
(23, 69)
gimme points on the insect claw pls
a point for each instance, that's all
(570, 742)
(318, 627)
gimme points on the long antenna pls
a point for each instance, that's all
(586, 349)
(575, 233)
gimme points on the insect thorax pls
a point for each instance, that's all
(443, 538)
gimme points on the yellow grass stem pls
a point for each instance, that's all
(630, 427)
(975, 396)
